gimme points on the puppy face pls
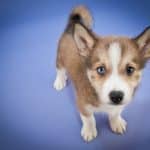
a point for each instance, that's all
(114, 65)
(115, 70)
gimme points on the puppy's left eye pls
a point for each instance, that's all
(101, 70)
(130, 70)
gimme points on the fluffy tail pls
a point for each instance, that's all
(80, 14)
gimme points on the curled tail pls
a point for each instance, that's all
(80, 14)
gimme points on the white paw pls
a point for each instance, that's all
(88, 134)
(118, 126)
(60, 83)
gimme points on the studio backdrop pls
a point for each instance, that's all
(33, 115)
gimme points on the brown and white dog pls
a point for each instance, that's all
(105, 70)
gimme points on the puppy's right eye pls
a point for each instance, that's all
(101, 70)
(130, 70)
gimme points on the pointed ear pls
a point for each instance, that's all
(84, 40)
(143, 41)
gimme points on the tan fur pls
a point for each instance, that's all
(76, 70)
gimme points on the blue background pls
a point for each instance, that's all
(33, 116)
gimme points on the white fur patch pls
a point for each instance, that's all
(114, 53)
(118, 124)
(115, 81)
(109, 109)
(88, 131)
(61, 79)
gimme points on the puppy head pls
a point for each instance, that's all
(114, 64)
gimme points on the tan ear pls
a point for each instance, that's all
(84, 40)
(143, 41)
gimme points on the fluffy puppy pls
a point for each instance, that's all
(104, 70)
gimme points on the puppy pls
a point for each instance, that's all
(104, 70)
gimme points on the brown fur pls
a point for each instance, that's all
(76, 70)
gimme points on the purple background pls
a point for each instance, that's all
(33, 116)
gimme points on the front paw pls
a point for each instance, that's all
(118, 125)
(60, 83)
(88, 134)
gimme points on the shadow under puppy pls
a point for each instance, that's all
(105, 70)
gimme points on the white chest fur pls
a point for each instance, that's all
(106, 108)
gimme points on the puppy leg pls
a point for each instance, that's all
(117, 123)
(88, 131)
(61, 79)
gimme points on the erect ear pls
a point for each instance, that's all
(143, 41)
(84, 40)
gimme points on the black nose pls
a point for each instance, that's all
(116, 96)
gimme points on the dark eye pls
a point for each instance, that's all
(101, 70)
(130, 70)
